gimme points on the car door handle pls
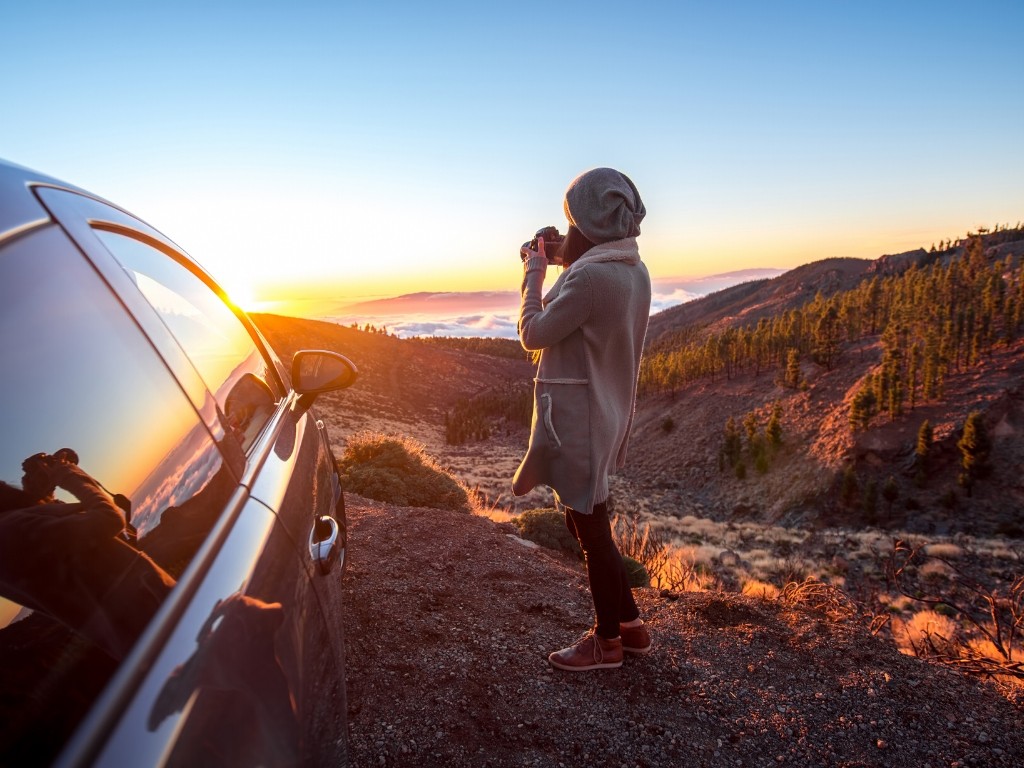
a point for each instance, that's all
(323, 543)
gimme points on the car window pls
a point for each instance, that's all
(109, 483)
(219, 345)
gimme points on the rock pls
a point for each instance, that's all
(524, 542)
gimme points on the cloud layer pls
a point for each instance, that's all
(495, 313)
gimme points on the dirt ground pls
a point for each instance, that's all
(449, 620)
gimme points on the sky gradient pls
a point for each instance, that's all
(358, 150)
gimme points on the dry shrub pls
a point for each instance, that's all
(926, 633)
(480, 504)
(680, 572)
(701, 527)
(985, 651)
(946, 551)
(987, 638)
(935, 570)
(903, 603)
(760, 589)
(639, 542)
(814, 595)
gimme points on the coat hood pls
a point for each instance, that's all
(625, 250)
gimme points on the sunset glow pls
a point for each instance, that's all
(339, 153)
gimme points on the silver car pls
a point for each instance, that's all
(172, 524)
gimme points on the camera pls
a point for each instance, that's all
(37, 480)
(552, 244)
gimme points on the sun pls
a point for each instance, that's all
(244, 296)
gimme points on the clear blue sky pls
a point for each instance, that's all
(379, 148)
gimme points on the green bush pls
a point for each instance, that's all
(396, 470)
(636, 573)
(546, 526)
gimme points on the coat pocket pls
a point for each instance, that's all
(549, 423)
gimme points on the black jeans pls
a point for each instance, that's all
(609, 586)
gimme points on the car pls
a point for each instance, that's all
(172, 521)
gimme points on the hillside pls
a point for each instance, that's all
(749, 302)
(449, 621)
(677, 471)
(921, 336)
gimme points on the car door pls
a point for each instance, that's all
(237, 666)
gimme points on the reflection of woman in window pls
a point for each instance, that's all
(248, 400)
(71, 561)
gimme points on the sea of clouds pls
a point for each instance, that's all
(494, 313)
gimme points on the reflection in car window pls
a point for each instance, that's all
(218, 344)
(109, 483)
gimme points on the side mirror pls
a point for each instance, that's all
(315, 371)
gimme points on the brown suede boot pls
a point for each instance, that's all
(635, 640)
(590, 652)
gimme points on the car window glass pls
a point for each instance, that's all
(218, 344)
(109, 483)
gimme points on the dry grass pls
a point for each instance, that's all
(681, 572)
(817, 596)
(484, 506)
(638, 541)
(925, 629)
(944, 550)
(760, 589)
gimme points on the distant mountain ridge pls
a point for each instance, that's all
(747, 302)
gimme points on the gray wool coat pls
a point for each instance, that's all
(590, 330)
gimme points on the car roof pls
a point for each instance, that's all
(20, 209)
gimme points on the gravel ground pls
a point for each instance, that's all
(449, 620)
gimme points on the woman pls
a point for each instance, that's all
(590, 331)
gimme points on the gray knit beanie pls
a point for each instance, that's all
(604, 205)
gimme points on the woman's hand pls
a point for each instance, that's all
(526, 252)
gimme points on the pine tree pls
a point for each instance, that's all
(896, 399)
(872, 304)
(733, 442)
(862, 408)
(827, 335)
(975, 447)
(774, 429)
(913, 366)
(975, 259)
(761, 460)
(922, 450)
(930, 375)
(793, 368)
(750, 425)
